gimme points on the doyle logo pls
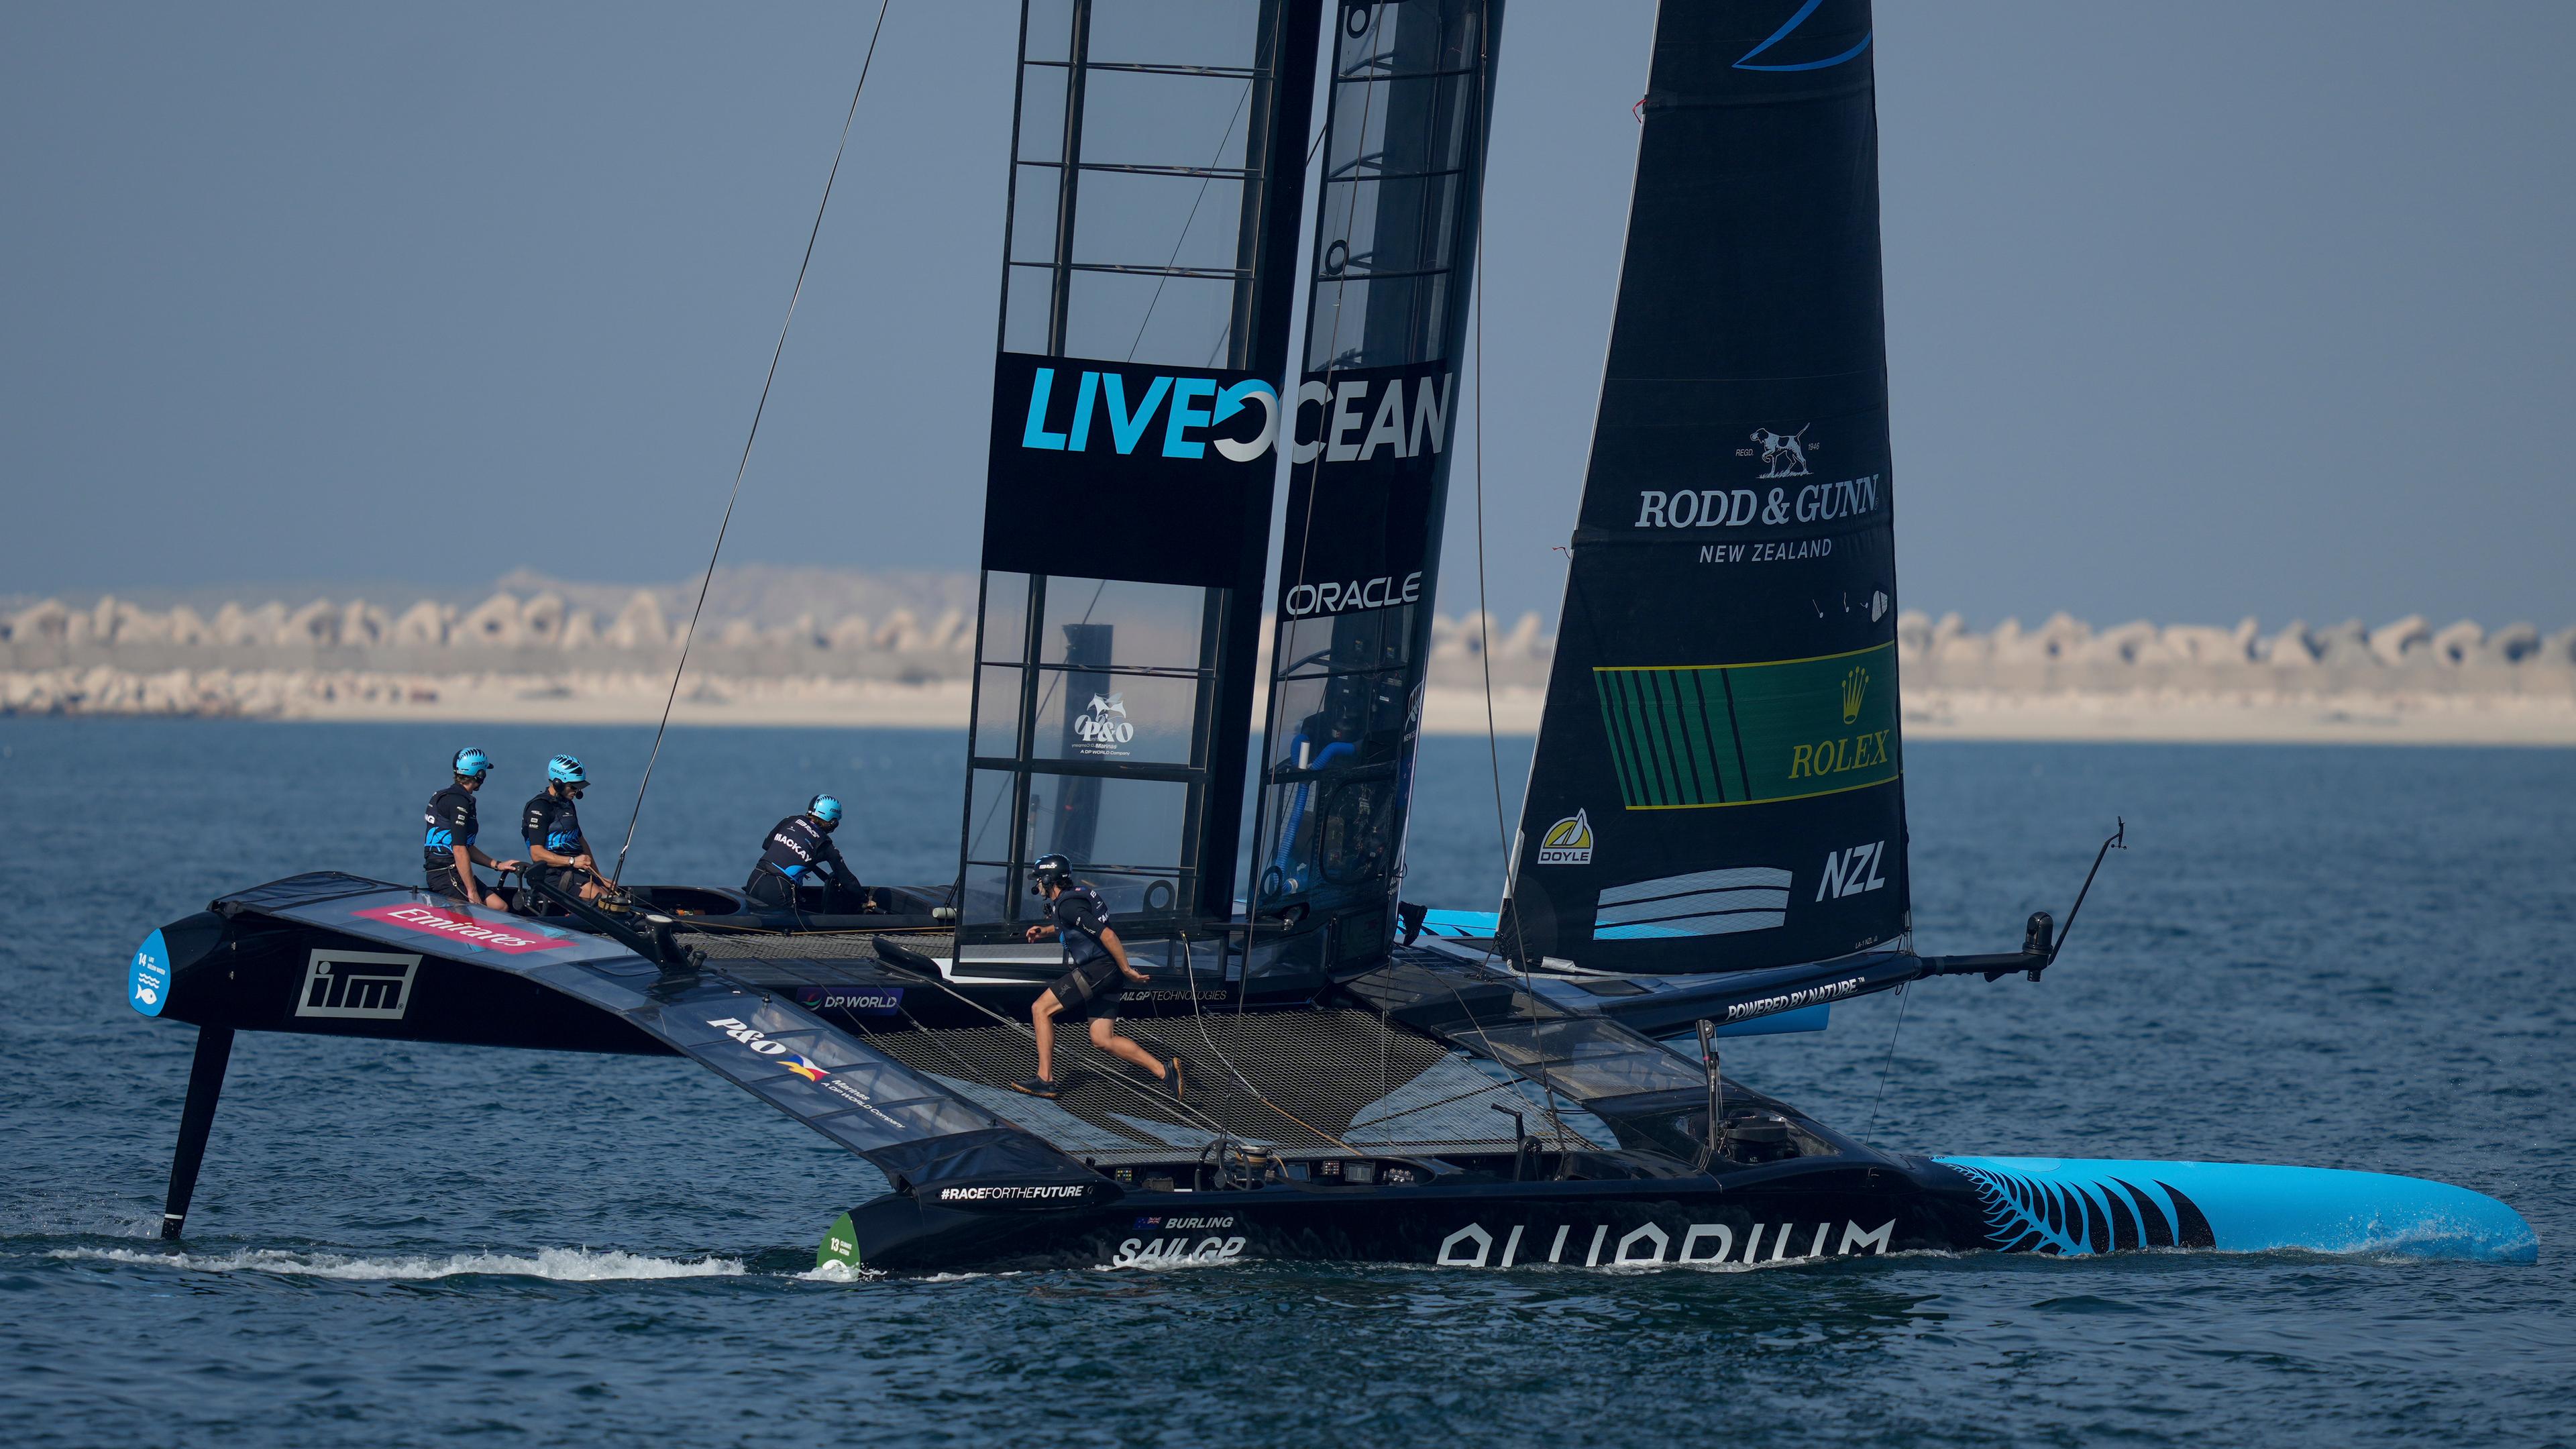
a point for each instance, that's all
(357, 985)
(1855, 690)
(1567, 842)
(1103, 728)
(457, 923)
(1737, 507)
(1333, 598)
(1850, 872)
(1356, 419)
(1191, 408)
(1784, 455)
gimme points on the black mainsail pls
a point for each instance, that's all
(1368, 440)
(1718, 780)
(1158, 158)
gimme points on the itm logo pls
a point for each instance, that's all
(1855, 689)
(1104, 727)
(357, 985)
(1850, 872)
(1195, 402)
(1784, 455)
(1567, 842)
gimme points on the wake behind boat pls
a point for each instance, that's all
(1713, 840)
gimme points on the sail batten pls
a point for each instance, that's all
(1718, 783)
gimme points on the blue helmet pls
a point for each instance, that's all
(825, 809)
(565, 770)
(472, 764)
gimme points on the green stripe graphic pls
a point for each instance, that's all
(1737, 734)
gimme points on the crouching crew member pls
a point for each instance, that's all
(1100, 975)
(558, 853)
(800, 849)
(447, 848)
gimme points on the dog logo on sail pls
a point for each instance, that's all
(1855, 689)
(1784, 455)
(1103, 728)
(1567, 842)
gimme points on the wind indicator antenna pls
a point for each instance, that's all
(2119, 840)
(2041, 940)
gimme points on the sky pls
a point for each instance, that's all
(2195, 310)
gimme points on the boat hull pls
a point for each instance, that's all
(1791, 1212)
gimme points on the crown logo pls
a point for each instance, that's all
(1855, 688)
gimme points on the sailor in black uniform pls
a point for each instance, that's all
(558, 853)
(448, 852)
(799, 849)
(1100, 975)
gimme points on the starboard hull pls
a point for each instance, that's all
(1798, 1212)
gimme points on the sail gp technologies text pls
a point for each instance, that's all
(1101, 407)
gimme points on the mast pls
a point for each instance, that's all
(1368, 439)
(1718, 783)
(1157, 161)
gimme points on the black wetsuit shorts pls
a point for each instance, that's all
(1090, 990)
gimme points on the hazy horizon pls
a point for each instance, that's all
(2194, 312)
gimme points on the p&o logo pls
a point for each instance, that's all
(1103, 728)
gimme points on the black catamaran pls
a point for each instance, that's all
(1713, 839)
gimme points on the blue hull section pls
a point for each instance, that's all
(2077, 1205)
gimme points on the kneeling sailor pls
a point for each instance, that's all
(558, 853)
(448, 852)
(1100, 975)
(799, 848)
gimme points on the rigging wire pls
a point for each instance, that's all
(1186, 223)
(1189, 960)
(743, 466)
(1904, 998)
(1484, 627)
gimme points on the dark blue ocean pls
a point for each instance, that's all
(2346, 957)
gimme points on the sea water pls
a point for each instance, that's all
(2345, 957)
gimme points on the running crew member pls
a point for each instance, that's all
(1100, 975)
(800, 848)
(447, 849)
(558, 853)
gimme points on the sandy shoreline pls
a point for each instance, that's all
(1930, 713)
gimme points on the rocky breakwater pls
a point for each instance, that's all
(2402, 681)
(506, 657)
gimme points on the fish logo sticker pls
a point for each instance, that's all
(147, 977)
(1567, 842)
